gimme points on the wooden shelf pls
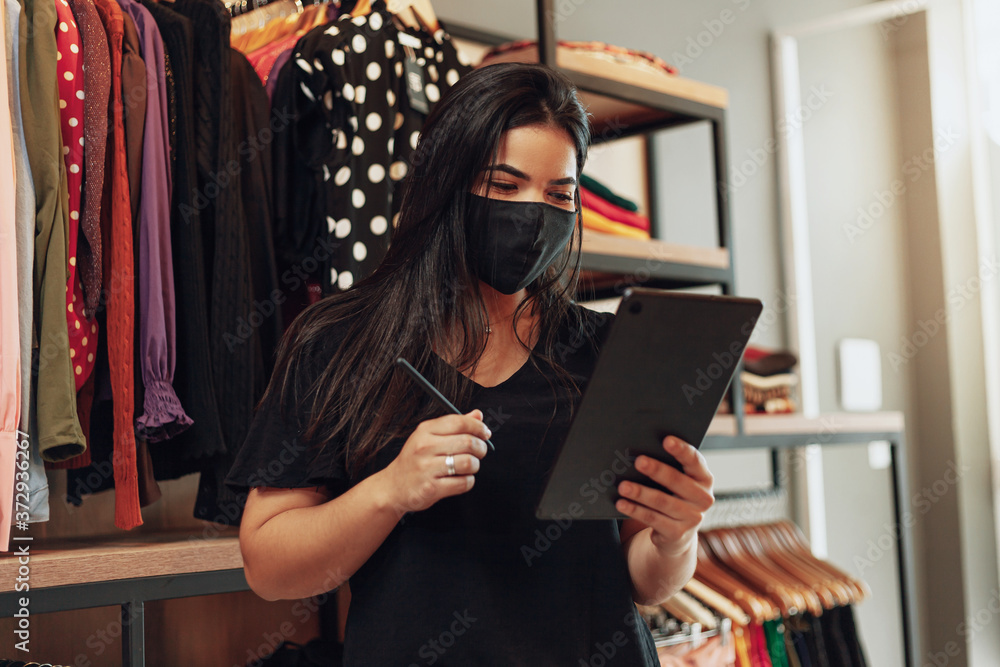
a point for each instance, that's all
(625, 100)
(67, 562)
(676, 86)
(653, 250)
(612, 261)
(762, 430)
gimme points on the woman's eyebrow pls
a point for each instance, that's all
(517, 173)
(569, 180)
(506, 168)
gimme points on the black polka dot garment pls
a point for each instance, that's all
(357, 129)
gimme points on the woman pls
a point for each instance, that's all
(353, 472)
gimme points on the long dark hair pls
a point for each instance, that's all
(423, 293)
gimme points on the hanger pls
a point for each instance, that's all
(834, 591)
(261, 13)
(689, 610)
(735, 558)
(418, 14)
(710, 572)
(795, 541)
(717, 601)
(818, 597)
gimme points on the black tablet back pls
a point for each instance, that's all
(663, 370)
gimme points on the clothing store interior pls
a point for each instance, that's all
(188, 178)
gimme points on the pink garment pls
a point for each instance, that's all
(69, 69)
(612, 212)
(263, 59)
(758, 646)
(10, 341)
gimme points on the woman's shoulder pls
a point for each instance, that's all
(590, 321)
(582, 334)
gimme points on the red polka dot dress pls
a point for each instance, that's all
(82, 331)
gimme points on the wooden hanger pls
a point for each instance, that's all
(795, 541)
(259, 16)
(361, 8)
(817, 595)
(689, 610)
(417, 14)
(710, 572)
(731, 554)
(834, 591)
(717, 601)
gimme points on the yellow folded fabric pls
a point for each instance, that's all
(599, 223)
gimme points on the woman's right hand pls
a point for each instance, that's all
(418, 477)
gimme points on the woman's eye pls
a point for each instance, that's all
(502, 187)
(562, 196)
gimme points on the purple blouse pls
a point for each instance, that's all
(279, 62)
(163, 417)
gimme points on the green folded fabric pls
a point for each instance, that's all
(605, 193)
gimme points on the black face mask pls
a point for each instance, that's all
(512, 242)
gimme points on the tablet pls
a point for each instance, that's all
(663, 370)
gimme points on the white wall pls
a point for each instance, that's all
(858, 291)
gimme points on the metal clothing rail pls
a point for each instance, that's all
(830, 435)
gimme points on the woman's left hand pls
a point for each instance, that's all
(674, 519)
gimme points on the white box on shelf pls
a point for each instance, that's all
(860, 375)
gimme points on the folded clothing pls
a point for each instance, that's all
(771, 394)
(640, 60)
(612, 212)
(764, 362)
(601, 190)
(599, 223)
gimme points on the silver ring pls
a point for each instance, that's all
(449, 462)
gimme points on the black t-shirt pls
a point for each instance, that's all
(476, 579)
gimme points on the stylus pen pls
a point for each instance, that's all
(432, 390)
